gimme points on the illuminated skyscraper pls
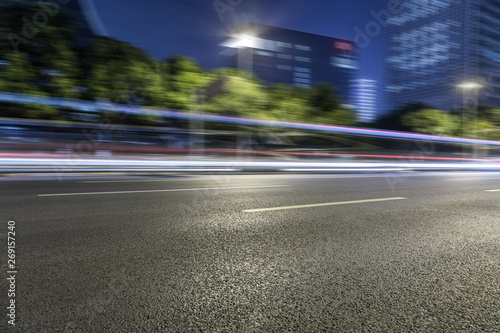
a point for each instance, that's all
(436, 44)
(278, 55)
(364, 99)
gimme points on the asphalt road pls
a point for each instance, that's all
(407, 252)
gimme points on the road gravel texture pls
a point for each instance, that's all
(193, 261)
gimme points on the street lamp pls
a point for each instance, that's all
(468, 86)
(245, 42)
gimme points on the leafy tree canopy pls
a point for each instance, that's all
(243, 95)
(122, 73)
(182, 76)
(431, 121)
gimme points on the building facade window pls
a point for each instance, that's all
(303, 59)
(300, 80)
(302, 70)
(302, 48)
(343, 62)
(304, 75)
(284, 67)
(286, 45)
(264, 53)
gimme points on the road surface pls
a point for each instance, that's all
(403, 252)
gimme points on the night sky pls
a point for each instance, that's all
(194, 27)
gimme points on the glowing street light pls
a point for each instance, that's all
(241, 41)
(245, 40)
(470, 85)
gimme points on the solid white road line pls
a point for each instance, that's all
(155, 191)
(321, 205)
(492, 191)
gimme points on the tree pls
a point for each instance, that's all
(393, 119)
(243, 96)
(19, 76)
(432, 122)
(325, 107)
(323, 100)
(287, 102)
(490, 114)
(182, 77)
(341, 116)
(122, 73)
(46, 38)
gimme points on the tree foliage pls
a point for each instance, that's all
(46, 38)
(182, 78)
(287, 102)
(242, 95)
(394, 119)
(122, 73)
(432, 122)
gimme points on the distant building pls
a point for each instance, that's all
(84, 16)
(364, 99)
(278, 55)
(435, 45)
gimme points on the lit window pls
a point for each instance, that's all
(302, 69)
(304, 75)
(282, 44)
(343, 62)
(303, 59)
(299, 80)
(284, 56)
(264, 53)
(284, 67)
(303, 47)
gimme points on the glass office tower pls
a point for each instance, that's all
(364, 99)
(434, 45)
(278, 55)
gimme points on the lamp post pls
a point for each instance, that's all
(471, 86)
(245, 43)
(196, 126)
(486, 138)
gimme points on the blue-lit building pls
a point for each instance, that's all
(277, 55)
(84, 16)
(434, 45)
(364, 99)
